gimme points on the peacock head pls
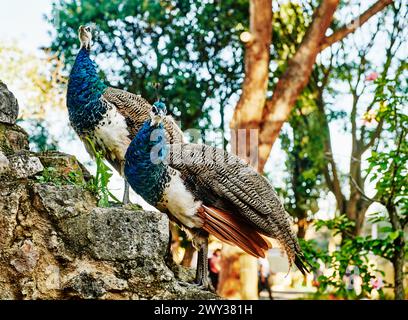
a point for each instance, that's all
(158, 112)
(85, 36)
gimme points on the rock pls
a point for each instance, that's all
(116, 234)
(62, 166)
(12, 139)
(4, 163)
(8, 105)
(25, 258)
(24, 165)
(55, 243)
(85, 286)
(11, 195)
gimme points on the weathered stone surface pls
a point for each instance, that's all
(55, 243)
(12, 139)
(8, 105)
(24, 165)
(62, 166)
(4, 163)
(10, 198)
(25, 258)
(117, 234)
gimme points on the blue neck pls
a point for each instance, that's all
(85, 89)
(144, 167)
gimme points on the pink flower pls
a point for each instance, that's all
(372, 76)
(377, 283)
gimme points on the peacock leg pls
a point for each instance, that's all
(126, 194)
(169, 255)
(202, 279)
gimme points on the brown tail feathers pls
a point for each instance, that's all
(233, 230)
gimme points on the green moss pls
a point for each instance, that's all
(60, 168)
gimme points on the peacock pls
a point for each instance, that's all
(206, 190)
(106, 116)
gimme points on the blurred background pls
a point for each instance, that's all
(337, 156)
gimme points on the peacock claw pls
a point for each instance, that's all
(204, 285)
(200, 286)
(185, 283)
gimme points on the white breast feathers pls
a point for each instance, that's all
(180, 202)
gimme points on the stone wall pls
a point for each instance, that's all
(55, 243)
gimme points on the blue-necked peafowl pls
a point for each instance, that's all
(109, 117)
(208, 191)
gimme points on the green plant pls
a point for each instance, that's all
(48, 175)
(74, 177)
(349, 261)
(388, 169)
(52, 175)
(99, 183)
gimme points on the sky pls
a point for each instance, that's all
(22, 21)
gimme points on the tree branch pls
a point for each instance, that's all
(277, 109)
(355, 23)
(362, 192)
(294, 80)
(375, 135)
(333, 181)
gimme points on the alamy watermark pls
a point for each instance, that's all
(199, 151)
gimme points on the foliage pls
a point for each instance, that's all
(303, 139)
(303, 144)
(99, 183)
(290, 23)
(51, 175)
(389, 166)
(388, 169)
(35, 79)
(190, 48)
(339, 225)
(349, 261)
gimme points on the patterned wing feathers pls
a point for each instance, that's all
(136, 111)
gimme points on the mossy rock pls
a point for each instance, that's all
(61, 167)
(12, 139)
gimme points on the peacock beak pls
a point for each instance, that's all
(156, 119)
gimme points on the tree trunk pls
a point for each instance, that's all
(248, 277)
(229, 285)
(399, 256)
(302, 227)
(356, 210)
(398, 264)
(248, 112)
(238, 275)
